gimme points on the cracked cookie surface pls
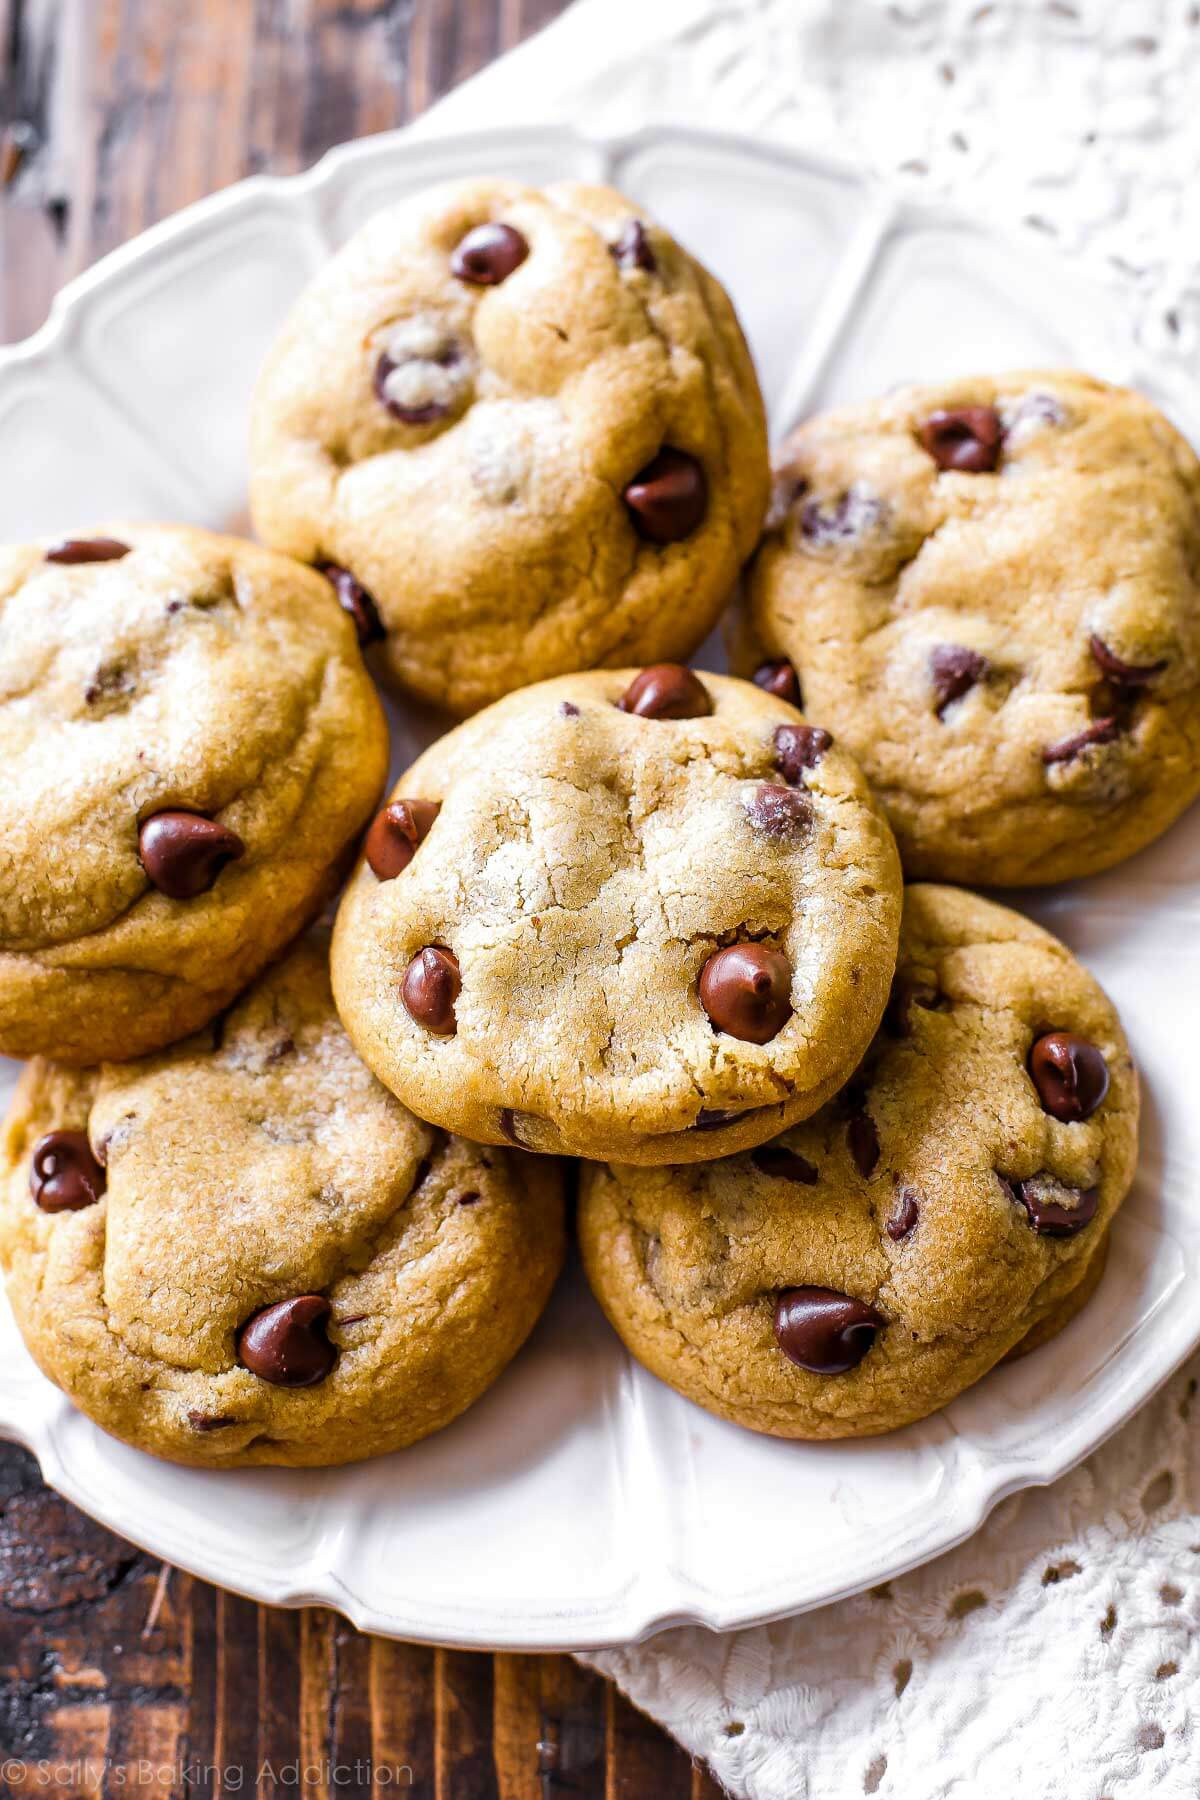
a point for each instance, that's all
(861, 1270)
(190, 743)
(990, 590)
(527, 424)
(160, 1252)
(649, 915)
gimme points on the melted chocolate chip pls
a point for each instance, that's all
(64, 1176)
(430, 988)
(779, 678)
(746, 991)
(508, 1124)
(1124, 674)
(905, 1216)
(422, 414)
(911, 988)
(183, 852)
(964, 438)
(799, 747)
(354, 599)
(954, 670)
(1101, 731)
(711, 1118)
(823, 1331)
(1070, 1075)
(511, 1123)
(286, 1344)
(667, 500)
(469, 1199)
(396, 830)
(632, 249)
(850, 519)
(666, 691)
(782, 1164)
(779, 812)
(88, 550)
(209, 1421)
(863, 1140)
(1054, 1209)
(488, 255)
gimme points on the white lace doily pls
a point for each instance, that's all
(1057, 1655)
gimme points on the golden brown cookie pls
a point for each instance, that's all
(521, 430)
(190, 744)
(639, 914)
(990, 590)
(951, 1205)
(246, 1251)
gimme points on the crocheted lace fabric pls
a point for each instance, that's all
(1056, 1656)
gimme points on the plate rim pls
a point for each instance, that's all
(648, 1601)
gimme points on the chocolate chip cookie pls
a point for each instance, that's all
(520, 431)
(953, 1203)
(640, 914)
(245, 1250)
(990, 591)
(190, 744)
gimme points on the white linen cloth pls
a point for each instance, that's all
(1056, 1656)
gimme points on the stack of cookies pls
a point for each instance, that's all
(273, 1195)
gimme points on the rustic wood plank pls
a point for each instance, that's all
(464, 1694)
(641, 1760)
(402, 1717)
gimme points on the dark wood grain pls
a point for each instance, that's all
(116, 1672)
(113, 1670)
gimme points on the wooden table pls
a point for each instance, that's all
(119, 1672)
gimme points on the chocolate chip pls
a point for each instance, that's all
(799, 747)
(954, 670)
(431, 986)
(422, 414)
(567, 709)
(113, 683)
(354, 599)
(823, 1331)
(667, 500)
(911, 988)
(470, 1198)
(666, 691)
(394, 834)
(711, 1118)
(183, 852)
(1101, 731)
(64, 1176)
(632, 249)
(209, 1421)
(88, 550)
(1070, 1075)
(857, 513)
(488, 255)
(965, 438)
(746, 991)
(1054, 1209)
(779, 678)
(782, 1164)
(286, 1344)
(778, 811)
(1124, 674)
(904, 1218)
(512, 1124)
(863, 1139)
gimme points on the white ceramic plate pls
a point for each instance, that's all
(582, 1503)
